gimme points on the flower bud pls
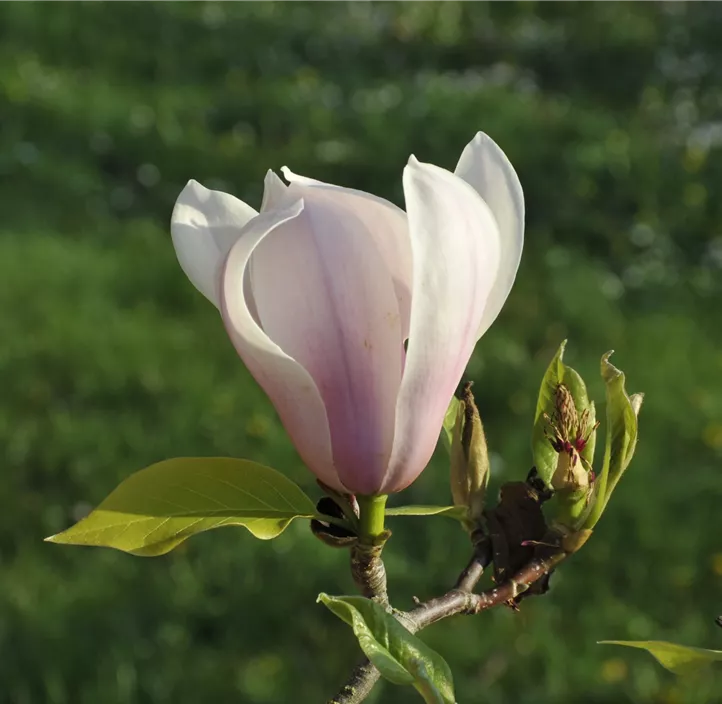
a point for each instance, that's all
(569, 433)
(563, 441)
(469, 457)
(564, 433)
(379, 310)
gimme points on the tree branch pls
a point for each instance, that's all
(359, 684)
(480, 560)
(460, 600)
(368, 571)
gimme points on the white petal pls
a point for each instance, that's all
(274, 192)
(289, 386)
(455, 244)
(388, 226)
(325, 298)
(303, 180)
(204, 226)
(485, 166)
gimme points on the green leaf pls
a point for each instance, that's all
(157, 508)
(447, 429)
(457, 512)
(680, 659)
(399, 656)
(545, 456)
(587, 453)
(621, 437)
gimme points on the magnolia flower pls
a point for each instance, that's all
(355, 317)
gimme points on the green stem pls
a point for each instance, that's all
(371, 518)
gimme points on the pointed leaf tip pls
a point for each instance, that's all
(679, 659)
(636, 400)
(621, 436)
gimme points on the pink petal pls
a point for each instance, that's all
(204, 226)
(275, 192)
(484, 166)
(455, 244)
(387, 225)
(289, 386)
(326, 298)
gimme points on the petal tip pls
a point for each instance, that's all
(193, 192)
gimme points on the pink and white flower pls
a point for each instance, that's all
(355, 317)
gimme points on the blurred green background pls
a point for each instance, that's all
(110, 360)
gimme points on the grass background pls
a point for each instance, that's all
(110, 360)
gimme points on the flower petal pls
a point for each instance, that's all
(289, 386)
(275, 192)
(326, 299)
(204, 226)
(455, 243)
(388, 226)
(485, 166)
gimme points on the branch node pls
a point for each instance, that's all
(368, 572)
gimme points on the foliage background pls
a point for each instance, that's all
(110, 360)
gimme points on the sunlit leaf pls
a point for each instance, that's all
(400, 657)
(457, 512)
(621, 436)
(680, 659)
(159, 507)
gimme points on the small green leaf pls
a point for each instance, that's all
(457, 512)
(621, 437)
(399, 656)
(447, 429)
(680, 659)
(545, 456)
(587, 453)
(157, 508)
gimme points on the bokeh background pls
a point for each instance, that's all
(110, 360)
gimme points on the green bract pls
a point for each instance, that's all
(469, 458)
(621, 437)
